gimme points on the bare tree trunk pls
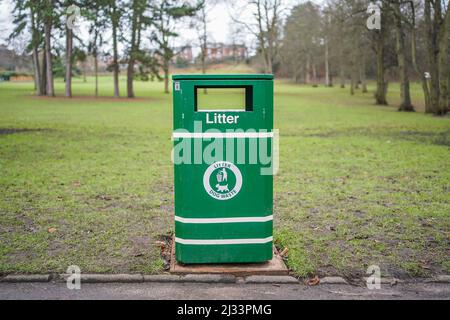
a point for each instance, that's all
(444, 68)
(380, 94)
(35, 42)
(342, 75)
(314, 72)
(37, 72)
(36, 75)
(203, 62)
(44, 74)
(267, 20)
(69, 45)
(432, 54)
(405, 104)
(448, 95)
(352, 79)
(327, 66)
(420, 73)
(131, 59)
(269, 65)
(204, 44)
(362, 73)
(48, 49)
(341, 67)
(204, 41)
(307, 74)
(96, 72)
(426, 94)
(166, 76)
(353, 64)
(299, 72)
(48, 63)
(261, 35)
(130, 76)
(115, 24)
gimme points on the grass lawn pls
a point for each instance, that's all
(89, 181)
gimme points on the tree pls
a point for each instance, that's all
(302, 42)
(29, 14)
(80, 55)
(326, 36)
(356, 34)
(203, 37)
(36, 40)
(419, 70)
(138, 21)
(165, 12)
(265, 27)
(444, 65)
(436, 22)
(362, 71)
(98, 24)
(403, 70)
(338, 36)
(443, 38)
(380, 41)
(48, 15)
(21, 11)
(114, 12)
(69, 49)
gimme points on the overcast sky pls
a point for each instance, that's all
(219, 21)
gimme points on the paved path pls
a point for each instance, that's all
(58, 290)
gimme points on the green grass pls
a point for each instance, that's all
(359, 184)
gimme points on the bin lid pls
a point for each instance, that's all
(223, 76)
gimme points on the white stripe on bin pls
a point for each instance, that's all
(223, 241)
(210, 135)
(224, 220)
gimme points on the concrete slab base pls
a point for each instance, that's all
(276, 266)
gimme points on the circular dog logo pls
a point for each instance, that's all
(222, 180)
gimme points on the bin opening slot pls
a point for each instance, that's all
(223, 98)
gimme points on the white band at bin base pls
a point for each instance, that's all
(224, 220)
(223, 241)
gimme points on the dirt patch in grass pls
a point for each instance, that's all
(4, 131)
(427, 137)
(437, 138)
(95, 99)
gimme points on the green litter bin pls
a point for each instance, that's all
(223, 136)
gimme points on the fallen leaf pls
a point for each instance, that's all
(76, 183)
(103, 197)
(313, 281)
(160, 243)
(52, 230)
(284, 252)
